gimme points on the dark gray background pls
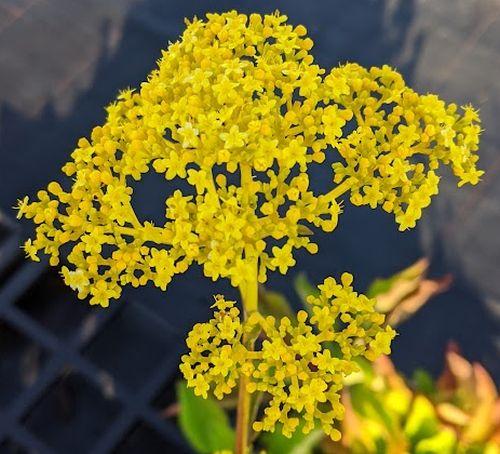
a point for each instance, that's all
(61, 61)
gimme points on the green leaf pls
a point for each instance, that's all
(413, 274)
(275, 304)
(304, 230)
(203, 422)
(423, 382)
(308, 443)
(365, 366)
(422, 421)
(444, 442)
(364, 375)
(379, 286)
(368, 404)
(276, 443)
(304, 289)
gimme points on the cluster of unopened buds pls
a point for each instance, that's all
(238, 110)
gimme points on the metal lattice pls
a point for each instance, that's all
(79, 379)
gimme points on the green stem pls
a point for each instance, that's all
(249, 295)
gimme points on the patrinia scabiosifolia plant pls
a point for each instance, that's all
(239, 110)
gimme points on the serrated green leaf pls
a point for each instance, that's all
(203, 422)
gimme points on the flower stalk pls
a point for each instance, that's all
(249, 296)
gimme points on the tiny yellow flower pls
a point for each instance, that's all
(283, 258)
(234, 138)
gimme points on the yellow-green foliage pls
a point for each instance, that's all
(387, 414)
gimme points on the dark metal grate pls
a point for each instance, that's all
(75, 378)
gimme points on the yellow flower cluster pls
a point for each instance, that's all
(238, 109)
(216, 351)
(399, 142)
(300, 365)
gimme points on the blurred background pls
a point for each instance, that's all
(80, 379)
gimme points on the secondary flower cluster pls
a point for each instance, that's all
(400, 141)
(300, 365)
(238, 109)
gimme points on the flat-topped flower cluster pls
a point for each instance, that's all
(239, 110)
